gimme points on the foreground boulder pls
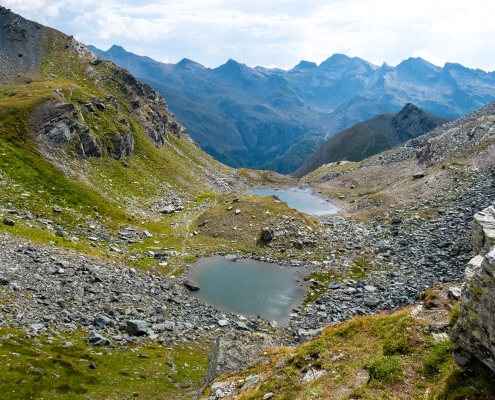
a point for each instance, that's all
(474, 333)
(192, 286)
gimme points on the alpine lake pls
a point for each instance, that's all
(251, 287)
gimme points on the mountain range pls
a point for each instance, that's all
(275, 119)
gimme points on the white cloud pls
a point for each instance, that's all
(281, 32)
(426, 55)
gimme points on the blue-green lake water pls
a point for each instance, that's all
(247, 287)
(300, 199)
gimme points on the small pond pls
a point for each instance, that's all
(248, 287)
(303, 200)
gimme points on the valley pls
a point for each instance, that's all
(269, 118)
(108, 206)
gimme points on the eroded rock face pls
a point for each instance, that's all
(474, 333)
(235, 352)
(21, 43)
(150, 107)
(57, 124)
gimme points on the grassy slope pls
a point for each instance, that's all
(373, 357)
(103, 192)
(48, 368)
(88, 189)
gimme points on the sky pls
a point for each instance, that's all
(278, 33)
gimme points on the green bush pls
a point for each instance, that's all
(436, 356)
(386, 369)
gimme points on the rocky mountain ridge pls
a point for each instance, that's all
(274, 119)
(381, 133)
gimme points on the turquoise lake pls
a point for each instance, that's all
(300, 199)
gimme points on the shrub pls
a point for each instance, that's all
(386, 369)
(437, 355)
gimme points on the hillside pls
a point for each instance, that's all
(408, 225)
(378, 134)
(270, 118)
(106, 202)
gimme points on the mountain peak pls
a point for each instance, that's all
(337, 61)
(417, 63)
(306, 65)
(116, 47)
(231, 66)
(187, 63)
(409, 107)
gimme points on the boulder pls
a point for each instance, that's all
(267, 234)
(191, 285)
(95, 339)
(250, 381)
(419, 174)
(136, 327)
(7, 221)
(167, 210)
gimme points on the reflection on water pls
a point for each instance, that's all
(247, 287)
(300, 199)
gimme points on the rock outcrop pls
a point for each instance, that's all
(57, 123)
(474, 333)
(233, 352)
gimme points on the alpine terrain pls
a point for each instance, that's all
(107, 206)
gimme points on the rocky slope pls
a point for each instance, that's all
(380, 133)
(425, 239)
(104, 198)
(271, 118)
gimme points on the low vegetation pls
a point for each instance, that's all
(63, 366)
(373, 357)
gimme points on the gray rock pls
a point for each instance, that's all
(306, 335)
(439, 326)
(250, 381)
(222, 322)
(56, 209)
(372, 301)
(419, 174)
(167, 210)
(101, 320)
(136, 327)
(167, 284)
(169, 325)
(37, 327)
(267, 234)
(7, 221)
(191, 285)
(455, 292)
(95, 339)
(313, 374)
(242, 325)
(333, 286)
